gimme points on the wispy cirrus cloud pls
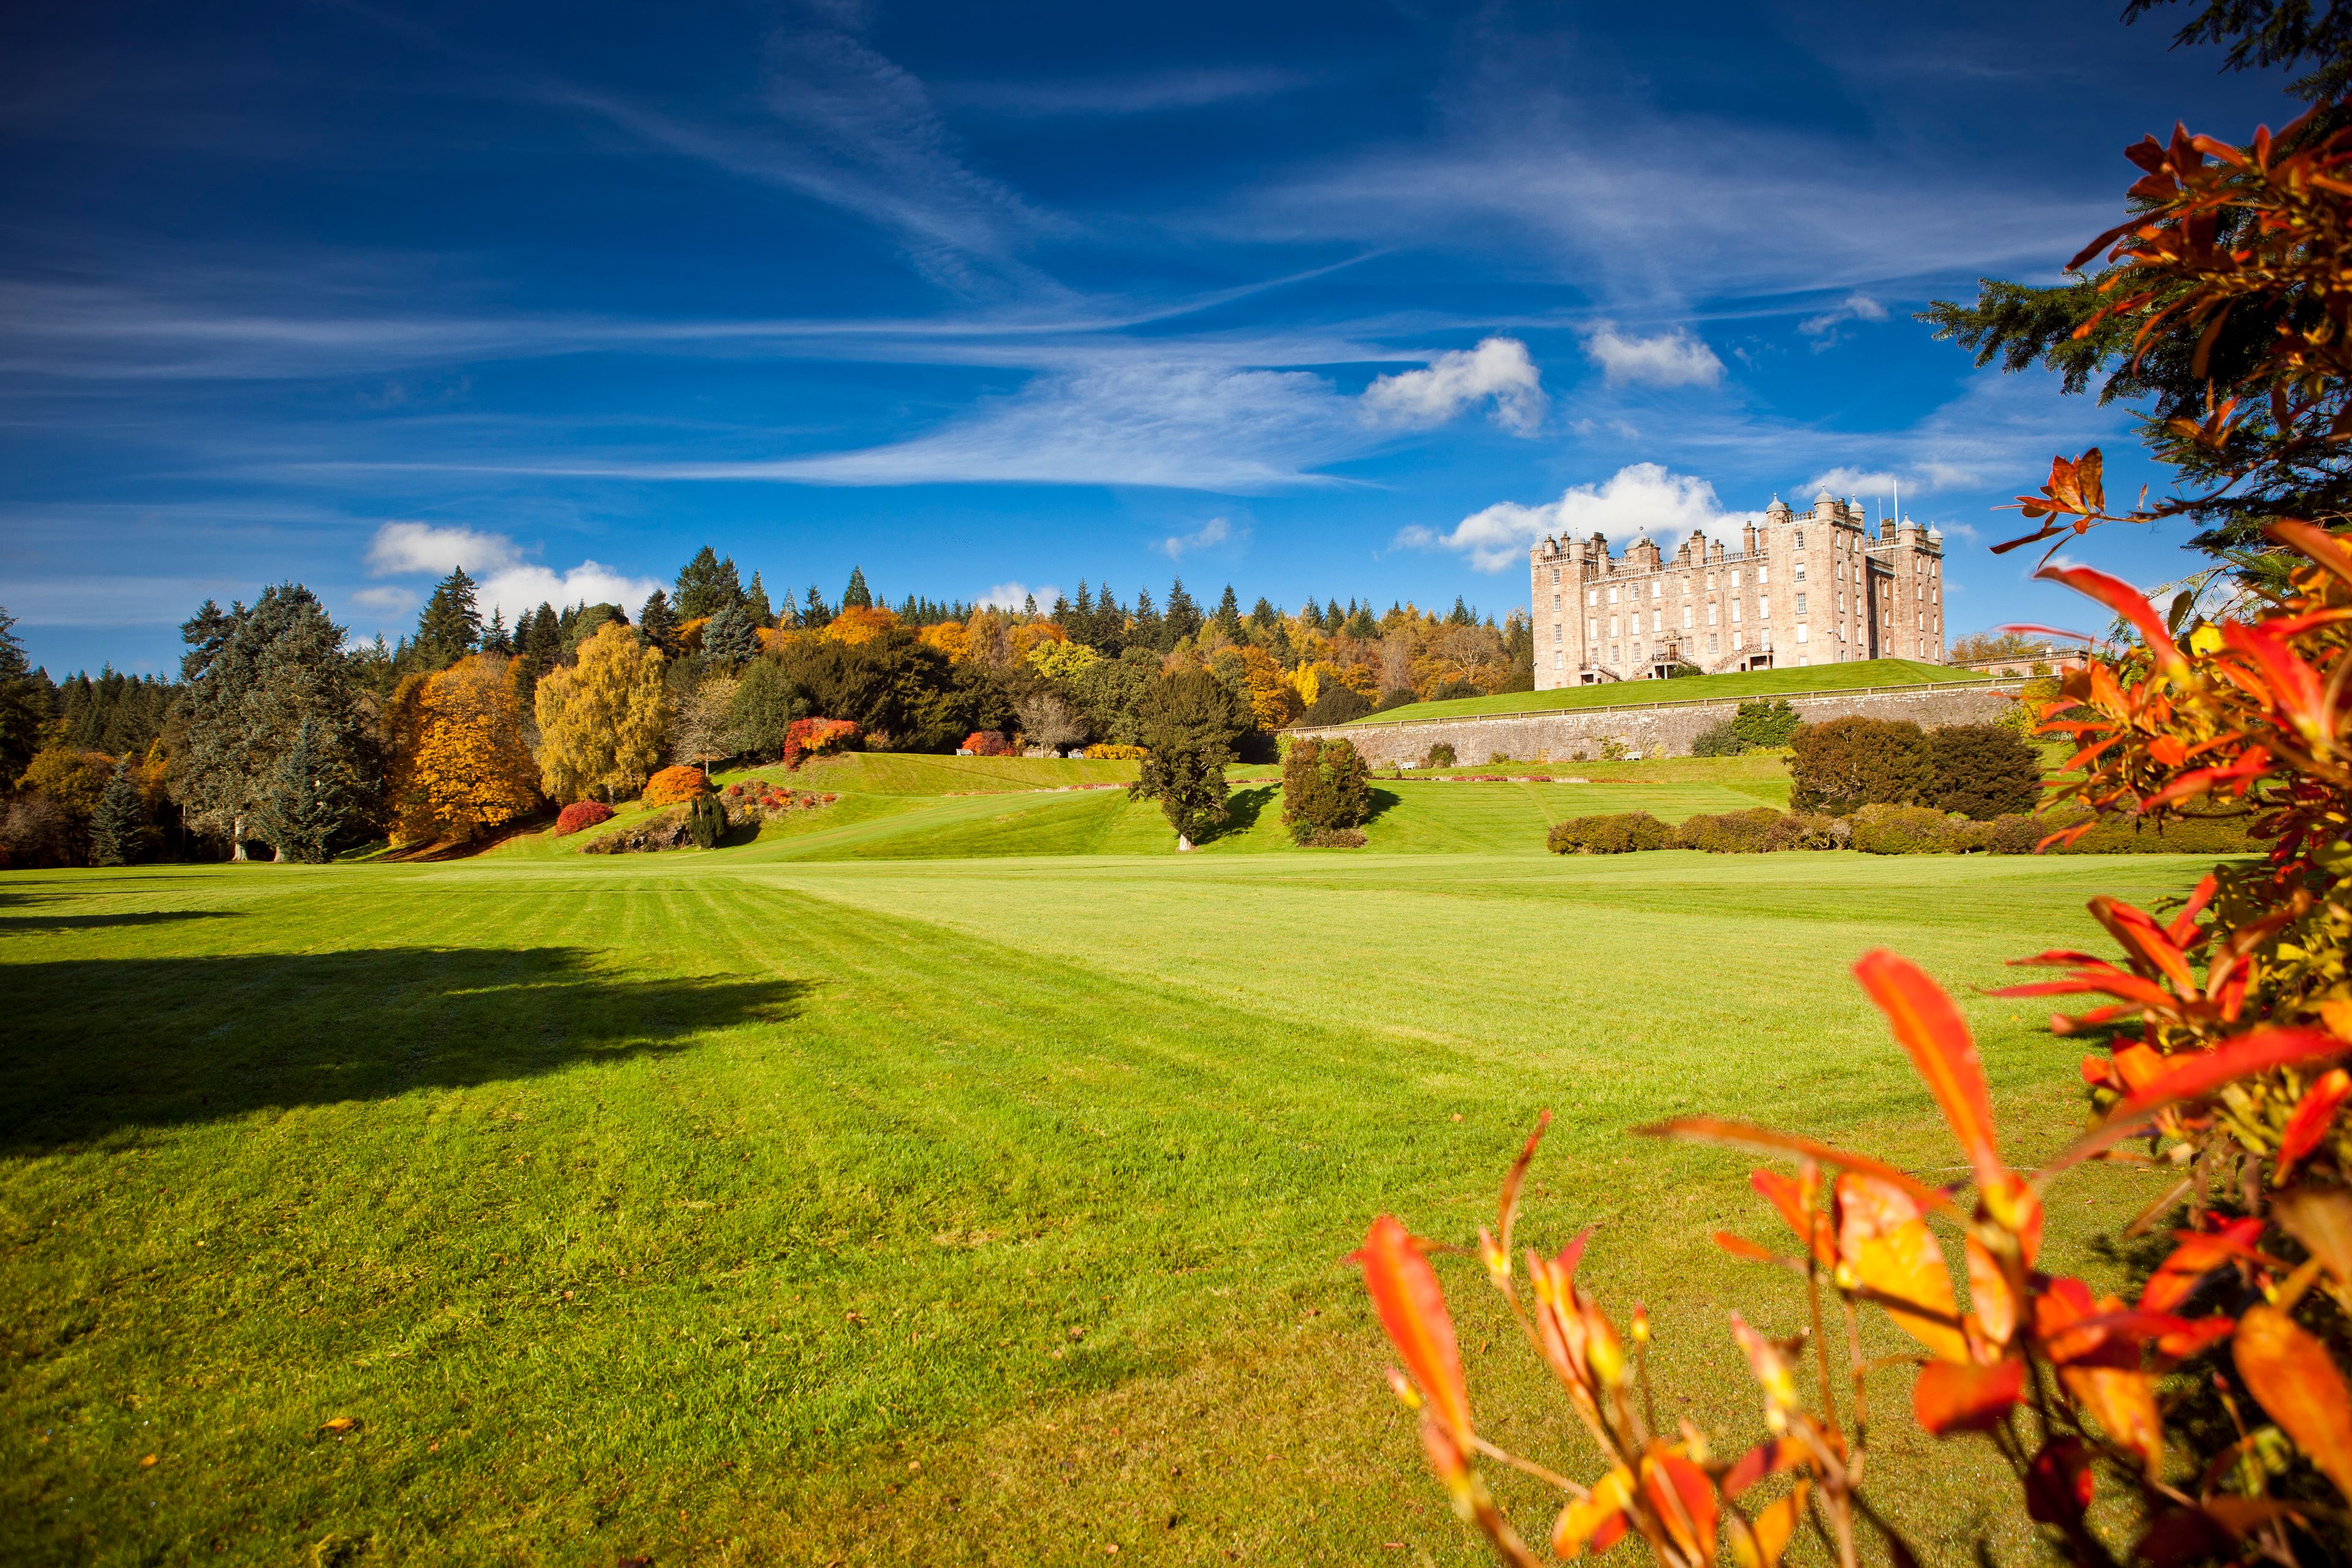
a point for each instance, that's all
(1143, 92)
(1209, 535)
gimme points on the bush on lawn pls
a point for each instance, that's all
(1764, 724)
(1845, 764)
(1809, 830)
(581, 813)
(809, 737)
(1618, 834)
(1336, 704)
(672, 786)
(705, 821)
(1440, 755)
(1330, 838)
(987, 743)
(1325, 787)
(1903, 830)
(1983, 771)
(1110, 751)
(1720, 740)
(1732, 833)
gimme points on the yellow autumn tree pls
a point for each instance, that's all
(470, 768)
(600, 721)
(1274, 702)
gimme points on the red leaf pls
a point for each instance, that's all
(2312, 1115)
(1931, 1032)
(1744, 1135)
(2290, 1372)
(2128, 602)
(2194, 1077)
(1412, 1308)
(2198, 1254)
(2058, 1485)
(1961, 1396)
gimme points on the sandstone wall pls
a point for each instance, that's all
(1655, 730)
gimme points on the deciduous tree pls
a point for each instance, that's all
(603, 719)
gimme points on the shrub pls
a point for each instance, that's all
(987, 743)
(1395, 697)
(1718, 741)
(809, 737)
(1902, 830)
(1848, 763)
(706, 822)
(672, 785)
(1441, 755)
(1330, 838)
(2015, 833)
(1809, 830)
(1764, 724)
(1613, 749)
(1325, 787)
(1618, 834)
(1106, 752)
(1733, 832)
(581, 813)
(1983, 771)
(664, 830)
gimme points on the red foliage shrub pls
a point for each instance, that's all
(672, 785)
(816, 738)
(988, 744)
(582, 813)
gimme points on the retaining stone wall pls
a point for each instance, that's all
(1653, 731)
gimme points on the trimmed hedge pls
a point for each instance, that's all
(1847, 764)
(1890, 830)
(1983, 771)
(1615, 834)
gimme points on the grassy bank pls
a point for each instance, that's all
(1718, 688)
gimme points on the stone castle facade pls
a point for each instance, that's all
(1803, 587)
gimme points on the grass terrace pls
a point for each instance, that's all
(1720, 687)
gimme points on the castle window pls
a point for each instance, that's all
(1801, 635)
(1711, 615)
(1555, 633)
(1612, 626)
(1687, 617)
(1612, 595)
(1735, 642)
(1800, 571)
(1560, 661)
(1657, 589)
(1658, 620)
(1800, 538)
(1592, 597)
(1710, 642)
(1593, 631)
(1801, 603)
(1734, 612)
(1555, 576)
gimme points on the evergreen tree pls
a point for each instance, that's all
(1029, 604)
(1229, 612)
(729, 640)
(816, 615)
(1060, 614)
(1460, 615)
(659, 623)
(311, 798)
(1360, 625)
(1190, 721)
(495, 638)
(706, 585)
(755, 600)
(450, 627)
(857, 596)
(119, 833)
(1080, 621)
(1182, 618)
(1263, 616)
(1149, 630)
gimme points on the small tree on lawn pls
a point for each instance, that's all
(119, 830)
(1983, 771)
(1189, 722)
(1847, 764)
(1325, 786)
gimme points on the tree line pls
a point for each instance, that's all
(283, 738)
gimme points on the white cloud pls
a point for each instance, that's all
(389, 599)
(1013, 596)
(1216, 531)
(1849, 480)
(1674, 358)
(519, 589)
(1498, 368)
(405, 547)
(1640, 498)
(1153, 93)
(1823, 328)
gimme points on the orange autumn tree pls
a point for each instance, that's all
(2207, 1418)
(460, 764)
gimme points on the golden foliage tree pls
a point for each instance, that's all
(600, 721)
(470, 768)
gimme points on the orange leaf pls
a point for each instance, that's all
(1765, 1459)
(1745, 1135)
(1584, 1517)
(1930, 1031)
(2059, 1483)
(1776, 1525)
(2192, 1077)
(1893, 1255)
(2198, 1254)
(1684, 1499)
(1961, 1396)
(2320, 1218)
(2296, 1379)
(1412, 1308)
(2314, 1114)
(2128, 602)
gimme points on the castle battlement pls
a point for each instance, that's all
(1803, 587)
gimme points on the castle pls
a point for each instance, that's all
(1803, 587)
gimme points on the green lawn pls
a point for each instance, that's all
(817, 1201)
(1724, 688)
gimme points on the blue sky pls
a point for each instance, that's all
(1317, 300)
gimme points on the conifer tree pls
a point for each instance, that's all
(659, 623)
(815, 615)
(755, 600)
(729, 640)
(312, 796)
(1029, 604)
(706, 585)
(450, 627)
(857, 596)
(24, 702)
(1229, 612)
(119, 832)
(1149, 630)
(1182, 618)
(495, 638)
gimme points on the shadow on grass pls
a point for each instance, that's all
(1243, 808)
(100, 923)
(1383, 801)
(95, 1046)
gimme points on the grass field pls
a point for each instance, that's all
(871, 1194)
(1724, 688)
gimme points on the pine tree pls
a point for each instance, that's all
(1460, 615)
(1149, 630)
(857, 596)
(310, 799)
(1360, 625)
(706, 585)
(24, 702)
(493, 636)
(729, 640)
(1182, 618)
(119, 833)
(1229, 612)
(816, 615)
(450, 627)
(659, 623)
(755, 600)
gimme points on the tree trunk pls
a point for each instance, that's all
(236, 837)
(1184, 845)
